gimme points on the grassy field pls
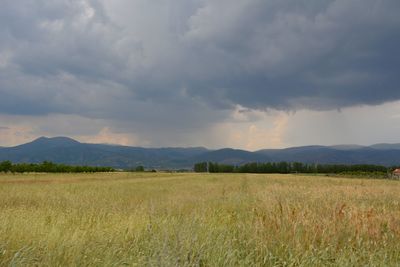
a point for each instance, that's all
(164, 219)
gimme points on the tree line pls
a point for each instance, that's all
(46, 166)
(289, 167)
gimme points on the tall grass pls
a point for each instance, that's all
(197, 220)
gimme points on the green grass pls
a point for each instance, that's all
(164, 219)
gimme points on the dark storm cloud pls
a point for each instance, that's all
(178, 62)
(339, 53)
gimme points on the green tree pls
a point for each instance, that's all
(200, 167)
(5, 166)
(139, 169)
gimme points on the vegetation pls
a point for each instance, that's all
(294, 167)
(171, 219)
(46, 166)
(201, 167)
(139, 169)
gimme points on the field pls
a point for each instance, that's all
(165, 219)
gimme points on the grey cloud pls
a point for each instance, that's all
(188, 63)
(340, 54)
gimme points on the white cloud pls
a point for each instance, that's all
(108, 136)
(15, 135)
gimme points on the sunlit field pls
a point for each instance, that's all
(165, 219)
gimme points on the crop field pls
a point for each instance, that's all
(169, 219)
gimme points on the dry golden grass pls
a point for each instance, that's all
(168, 219)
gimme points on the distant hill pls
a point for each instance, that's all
(386, 146)
(346, 147)
(69, 151)
(231, 156)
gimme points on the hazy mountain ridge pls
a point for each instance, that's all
(69, 151)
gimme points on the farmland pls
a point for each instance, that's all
(170, 219)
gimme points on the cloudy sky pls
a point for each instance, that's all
(217, 73)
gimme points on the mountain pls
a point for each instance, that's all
(69, 151)
(346, 147)
(336, 155)
(231, 156)
(384, 146)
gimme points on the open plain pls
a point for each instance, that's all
(170, 219)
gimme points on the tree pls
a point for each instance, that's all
(139, 169)
(5, 166)
(200, 167)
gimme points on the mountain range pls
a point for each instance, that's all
(68, 151)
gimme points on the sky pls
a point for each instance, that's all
(248, 74)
